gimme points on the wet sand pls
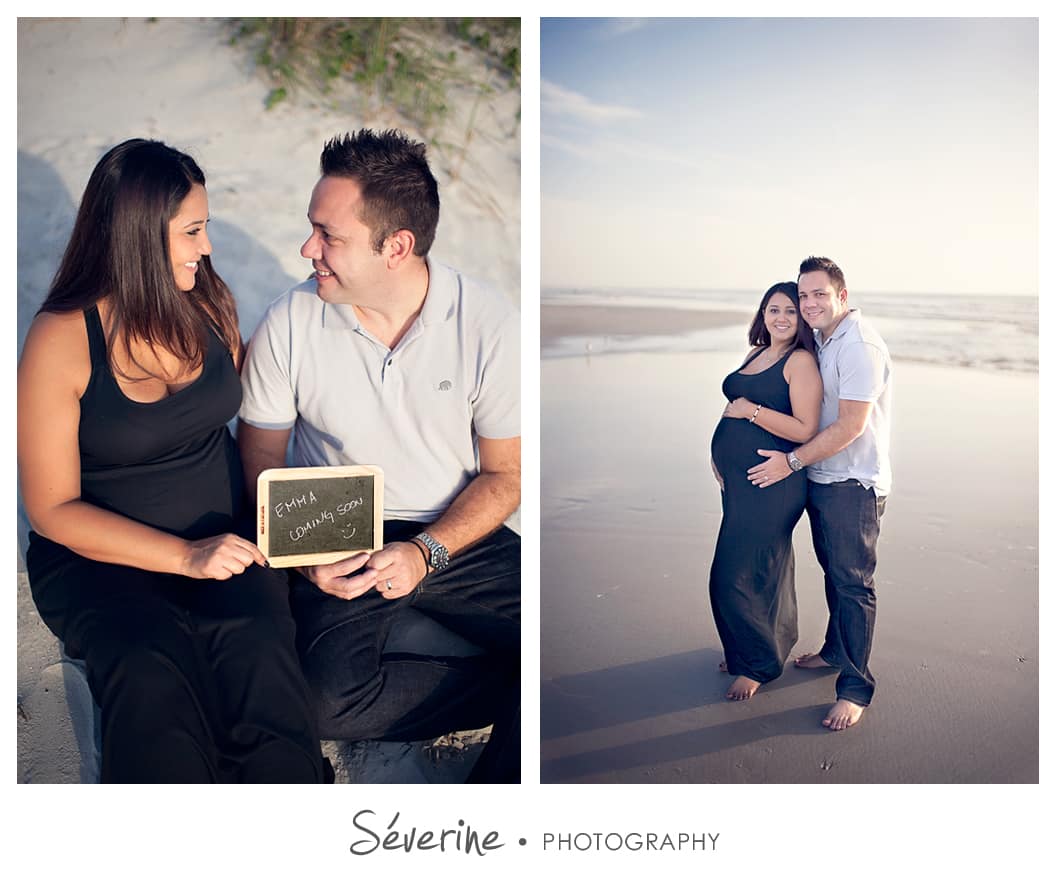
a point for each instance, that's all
(575, 320)
(630, 690)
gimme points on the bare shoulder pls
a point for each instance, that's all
(801, 364)
(802, 359)
(58, 325)
(56, 346)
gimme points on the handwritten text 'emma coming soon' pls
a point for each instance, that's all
(322, 517)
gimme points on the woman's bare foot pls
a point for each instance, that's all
(811, 660)
(843, 714)
(742, 688)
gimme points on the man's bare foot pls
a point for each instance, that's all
(811, 660)
(742, 688)
(843, 714)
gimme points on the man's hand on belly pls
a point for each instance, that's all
(771, 471)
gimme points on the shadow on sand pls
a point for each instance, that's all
(686, 745)
(607, 698)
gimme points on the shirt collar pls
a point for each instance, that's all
(438, 306)
(441, 295)
(852, 317)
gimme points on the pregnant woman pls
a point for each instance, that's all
(774, 403)
(133, 486)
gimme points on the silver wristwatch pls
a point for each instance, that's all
(795, 464)
(439, 558)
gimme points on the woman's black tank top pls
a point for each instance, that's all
(171, 464)
(770, 389)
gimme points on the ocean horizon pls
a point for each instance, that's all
(998, 332)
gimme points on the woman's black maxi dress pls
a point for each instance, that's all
(752, 575)
(197, 680)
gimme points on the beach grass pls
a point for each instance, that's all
(411, 64)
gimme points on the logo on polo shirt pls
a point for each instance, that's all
(445, 385)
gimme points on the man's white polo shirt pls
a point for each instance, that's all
(855, 365)
(415, 411)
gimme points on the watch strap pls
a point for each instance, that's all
(439, 556)
(424, 551)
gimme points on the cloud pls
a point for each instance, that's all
(560, 101)
(619, 27)
(581, 150)
(614, 149)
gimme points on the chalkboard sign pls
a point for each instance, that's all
(317, 515)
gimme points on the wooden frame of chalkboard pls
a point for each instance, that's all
(318, 515)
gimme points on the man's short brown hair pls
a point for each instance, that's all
(398, 189)
(823, 264)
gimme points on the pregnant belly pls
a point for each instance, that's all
(735, 445)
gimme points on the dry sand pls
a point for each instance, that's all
(630, 688)
(87, 84)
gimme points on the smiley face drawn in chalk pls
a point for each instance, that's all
(348, 536)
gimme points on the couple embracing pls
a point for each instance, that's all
(807, 427)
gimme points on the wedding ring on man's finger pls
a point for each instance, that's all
(388, 585)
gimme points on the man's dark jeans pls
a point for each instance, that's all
(364, 692)
(845, 517)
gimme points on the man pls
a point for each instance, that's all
(849, 479)
(384, 356)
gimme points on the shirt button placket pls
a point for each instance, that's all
(386, 364)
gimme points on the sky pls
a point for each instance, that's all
(718, 153)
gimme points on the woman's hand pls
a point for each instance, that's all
(741, 407)
(220, 557)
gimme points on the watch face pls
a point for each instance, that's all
(439, 556)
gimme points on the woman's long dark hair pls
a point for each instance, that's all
(758, 333)
(119, 249)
